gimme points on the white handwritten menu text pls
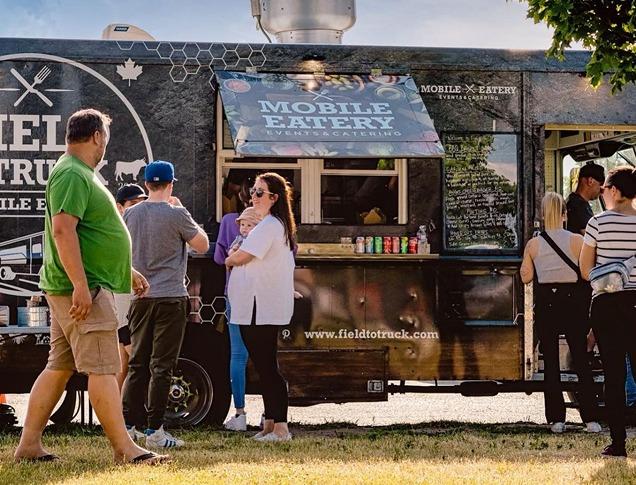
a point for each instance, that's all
(480, 192)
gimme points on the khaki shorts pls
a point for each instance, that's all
(90, 346)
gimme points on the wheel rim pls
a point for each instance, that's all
(190, 394)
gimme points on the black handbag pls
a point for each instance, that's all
(572, 297)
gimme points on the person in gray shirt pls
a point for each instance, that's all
(160, 228)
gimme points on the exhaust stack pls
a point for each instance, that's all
(305, 21)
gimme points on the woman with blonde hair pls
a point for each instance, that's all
(561, 306)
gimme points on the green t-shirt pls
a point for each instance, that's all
(73, 188)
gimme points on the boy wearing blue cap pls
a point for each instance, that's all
(160, 227)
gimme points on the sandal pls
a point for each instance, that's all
(149, 458)
(37, 459)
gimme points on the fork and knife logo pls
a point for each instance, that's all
(30, 88)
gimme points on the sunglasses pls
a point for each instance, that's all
(259, 192)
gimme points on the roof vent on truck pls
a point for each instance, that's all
(125, 32)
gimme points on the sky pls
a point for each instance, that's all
(430, 23)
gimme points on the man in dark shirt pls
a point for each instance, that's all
(591, 179)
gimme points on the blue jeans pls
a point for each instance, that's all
(630, 384)
(238, 362)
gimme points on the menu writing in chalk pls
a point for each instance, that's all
(481, 192)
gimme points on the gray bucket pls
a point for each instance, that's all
(37, 316)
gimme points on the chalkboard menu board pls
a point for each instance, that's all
(481, 192)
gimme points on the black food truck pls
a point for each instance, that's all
(378, 142)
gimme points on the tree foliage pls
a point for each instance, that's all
(606, 27)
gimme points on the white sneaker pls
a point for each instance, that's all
(237, 422)
(558, 427)
(274, 438)
(258, 436)
(134, 434)
(593, 427)
(160, 438)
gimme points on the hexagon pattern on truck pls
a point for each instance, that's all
(187, 58)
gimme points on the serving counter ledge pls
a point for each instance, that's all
(366, 257)
(15, 330)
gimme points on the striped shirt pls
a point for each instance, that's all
(614, 237)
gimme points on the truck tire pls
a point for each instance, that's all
(210, 349)
(191, 395)
(66, 411)
(221, 399)
(8, 418)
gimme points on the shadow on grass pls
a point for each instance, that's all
(86, 453)
(614, 471)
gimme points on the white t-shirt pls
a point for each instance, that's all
(122, 305)
(268, 278)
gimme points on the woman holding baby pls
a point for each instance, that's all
(260, 291)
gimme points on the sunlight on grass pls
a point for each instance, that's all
(376, 472)
(430, 453)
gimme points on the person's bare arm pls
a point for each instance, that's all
(239, 258)
(140, 284)
(527, 266)
(68, 249)
(587, 260)
(576, 244)
(200, 242)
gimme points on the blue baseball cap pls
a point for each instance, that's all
(159, 171)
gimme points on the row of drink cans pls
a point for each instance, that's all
(386, 245)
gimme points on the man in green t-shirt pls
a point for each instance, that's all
(87, 257)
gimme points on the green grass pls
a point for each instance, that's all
(445, 452)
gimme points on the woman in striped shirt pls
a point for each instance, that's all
(611, 236)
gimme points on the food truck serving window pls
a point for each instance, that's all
(327, 116)
(350, 192)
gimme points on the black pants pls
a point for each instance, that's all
(262, 345)
(157, 326)
(555, 317)
(614, 322)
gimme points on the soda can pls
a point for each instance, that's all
(377, 244)
(413, 245)
(387, 245)
(404, 245)
(360, 245)
(368, 245)
(395, 246)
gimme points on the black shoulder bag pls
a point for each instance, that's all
(566, 296)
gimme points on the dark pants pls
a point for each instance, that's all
(614, 322)
(262, 345)
(157, 326)
(554, 317)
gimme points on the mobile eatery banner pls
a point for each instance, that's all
(332, 115)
